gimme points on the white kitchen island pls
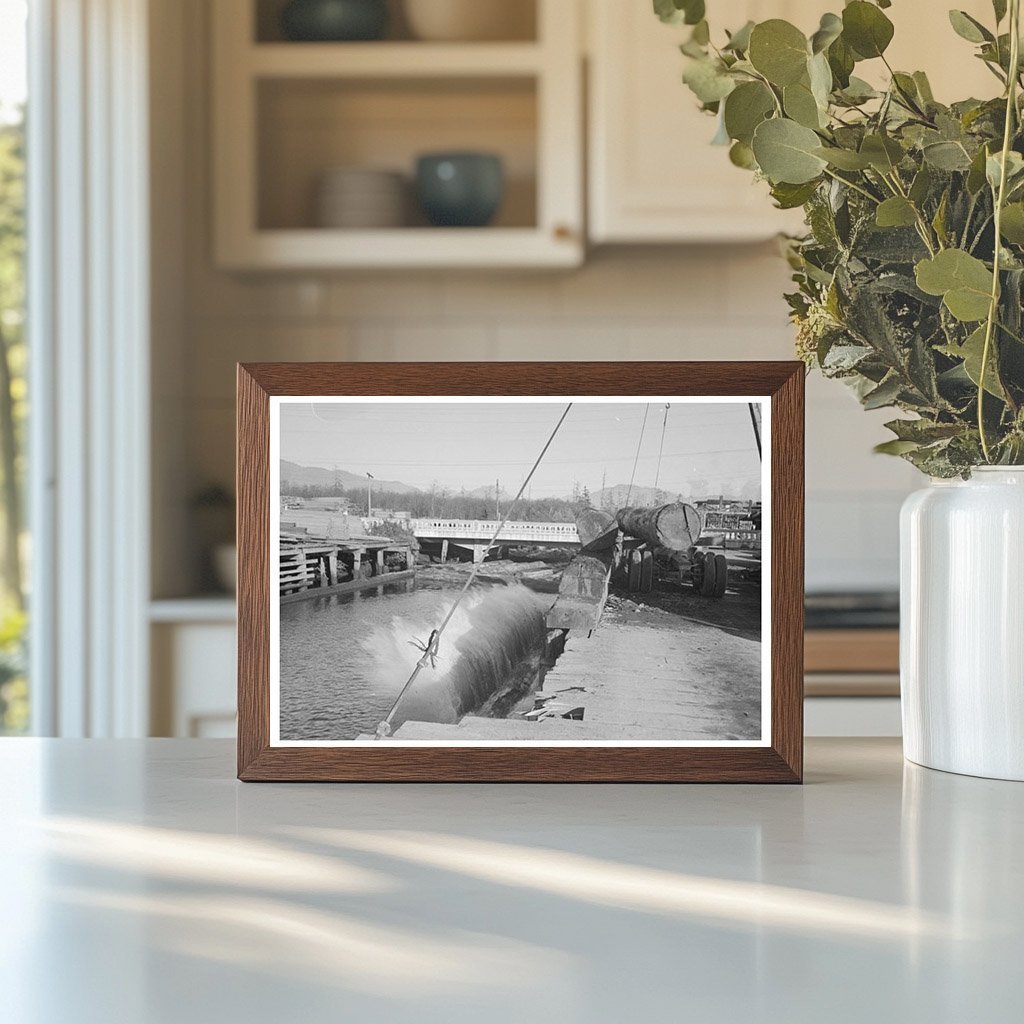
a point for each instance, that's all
(142, 884)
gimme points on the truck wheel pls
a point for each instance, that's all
(721, 575)
(635, 560)
(647, 573)
(707, 588)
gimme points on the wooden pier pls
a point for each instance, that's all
(312, 567)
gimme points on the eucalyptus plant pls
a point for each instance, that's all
(910, 278)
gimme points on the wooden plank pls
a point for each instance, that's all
(349, 586)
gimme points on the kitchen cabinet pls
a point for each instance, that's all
(653, 175)
(193, 667)
(286, 113)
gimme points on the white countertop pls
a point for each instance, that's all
(141, 884)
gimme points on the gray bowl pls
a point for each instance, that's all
(461, 190)
(334, 20)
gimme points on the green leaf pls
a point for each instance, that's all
(1014, 169)
(858, 91)
(963, 281)
(745, 108)
(883, 153)
(866, 29)
(800, 105)
(947, 156)
(675, 12)
(885, 394)
(820, 76)
(778, 50)
(969, 28)
(924, 87)
(708, 80)
(923, 431)
(785, 152)
(921, 185)
(742, 155)
(939, 220)
(895, 447)
(789, 197)
(694, 11)
(971, 352)
(739, 41)
(829, 30)
(1012, 225)
(976, 173)
(896, 212)
(844, 159)
(841, 60)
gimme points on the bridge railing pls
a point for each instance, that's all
(483, 529)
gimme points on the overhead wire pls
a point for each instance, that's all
(636, 458)
(430, 648)
(661, 447)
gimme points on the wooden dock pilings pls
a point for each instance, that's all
(311, 566)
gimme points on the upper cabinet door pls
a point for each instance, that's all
(654, 175)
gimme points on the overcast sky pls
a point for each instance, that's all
(708, 448)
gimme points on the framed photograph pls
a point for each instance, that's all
(520, 572)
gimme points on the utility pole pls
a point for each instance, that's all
(369, 495)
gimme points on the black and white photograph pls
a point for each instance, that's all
(542, 571)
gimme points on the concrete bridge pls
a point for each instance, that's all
(473, 535)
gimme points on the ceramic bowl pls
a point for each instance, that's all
(359, 197)
(334, 20)
(460, 189)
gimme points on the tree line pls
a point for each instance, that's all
(443, 502)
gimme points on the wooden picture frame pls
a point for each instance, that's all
(778, 757)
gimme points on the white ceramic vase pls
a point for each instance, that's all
(962, 624)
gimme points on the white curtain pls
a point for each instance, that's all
(88, 319)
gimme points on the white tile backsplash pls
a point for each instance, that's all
(718, 302)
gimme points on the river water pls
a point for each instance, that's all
(346, 657)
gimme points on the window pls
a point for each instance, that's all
(14, 703)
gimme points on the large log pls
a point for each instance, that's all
(582, 593)
(597, 529)
(675, 526)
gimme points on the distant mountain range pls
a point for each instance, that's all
(487, 491)
(294, 475)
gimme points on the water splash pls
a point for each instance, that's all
(494, 639)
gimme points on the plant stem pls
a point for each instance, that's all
(856, 188)
(923, 228)
(993, 309)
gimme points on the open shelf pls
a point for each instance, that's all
(520, 17)
(393, 60)
(288, 113)
(308, 127)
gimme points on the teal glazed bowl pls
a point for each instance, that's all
(334, 21)
(460, 190)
